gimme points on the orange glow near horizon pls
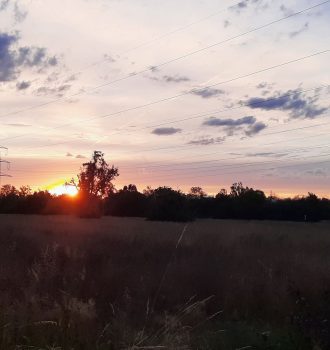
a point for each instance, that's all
(63, 189)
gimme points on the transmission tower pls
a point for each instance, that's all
(3, 162)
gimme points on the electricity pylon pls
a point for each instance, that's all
(3, 162)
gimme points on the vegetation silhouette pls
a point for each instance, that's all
(98, 196)
(94, 184)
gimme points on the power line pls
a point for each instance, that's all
(181, 94)
(148, 42)
(150, 68)
(174, 166)
(198, 116)
(216, 173)
(211, 113)
(224, 159)
(245, 171)
(263, 134)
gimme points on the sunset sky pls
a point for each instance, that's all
(178, 93)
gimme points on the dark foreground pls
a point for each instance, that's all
(68, 283)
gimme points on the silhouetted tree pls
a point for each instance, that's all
(126, 202)
(166, 204)
(130, 188)
(96, 176)
(222, 193)
(25, 191)
(8, 190)
(197, 192)
(94, 183)
(237, 189)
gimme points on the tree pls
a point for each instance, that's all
(96, 176)
(197, 192)
(166, 204)
(130, 188)
(222, 193)
(237, 189)
(94, 184)
(25, 191)
(8, 190)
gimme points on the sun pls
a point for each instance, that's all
(63, 189)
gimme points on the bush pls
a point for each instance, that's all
(166, 204)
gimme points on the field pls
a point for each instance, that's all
(127, 283)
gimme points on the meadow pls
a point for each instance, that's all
(128, 283)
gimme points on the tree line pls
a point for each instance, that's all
(97, 196)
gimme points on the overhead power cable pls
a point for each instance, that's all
(152, 67)
(108, 115)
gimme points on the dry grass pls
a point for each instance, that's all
(94, 284)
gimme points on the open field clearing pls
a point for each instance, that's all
(124, 283)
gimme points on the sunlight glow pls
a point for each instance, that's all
(62, 189)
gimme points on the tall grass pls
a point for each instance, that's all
(67, 283)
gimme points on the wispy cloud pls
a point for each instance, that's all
(4, 4)
(19, 13)
(19, 125)
(267, 154)
(204, 141)
(286, 11)
(23, 85)
(295, 101)
(58, 91)
(230, 122)
(245, 4)
(207, 92)
(295, 33)
(255, 129)
(248, 124)
(318, 173)
(166, 131)
(175, 78)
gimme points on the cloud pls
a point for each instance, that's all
(169, 78)
(79, 156)
(294, 101)
(266, 88)
(255, 129)
(265, 85)
(267, 154)
(317, 172)
(7, 59)
(249, 124)
(226, 23)
(154, 69)
(241, 5)
(244, 4)
(12, 59)
(19, 14)
(69, 154)
(4, 4)
(207, 92)
(175, 78)
(58, 91)
(109, 58)
(71, 78)
(23, 85)
(166, 131)
(286, 11)
(207, 141)
(299, 31)
(230, 122)
(19, 125)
